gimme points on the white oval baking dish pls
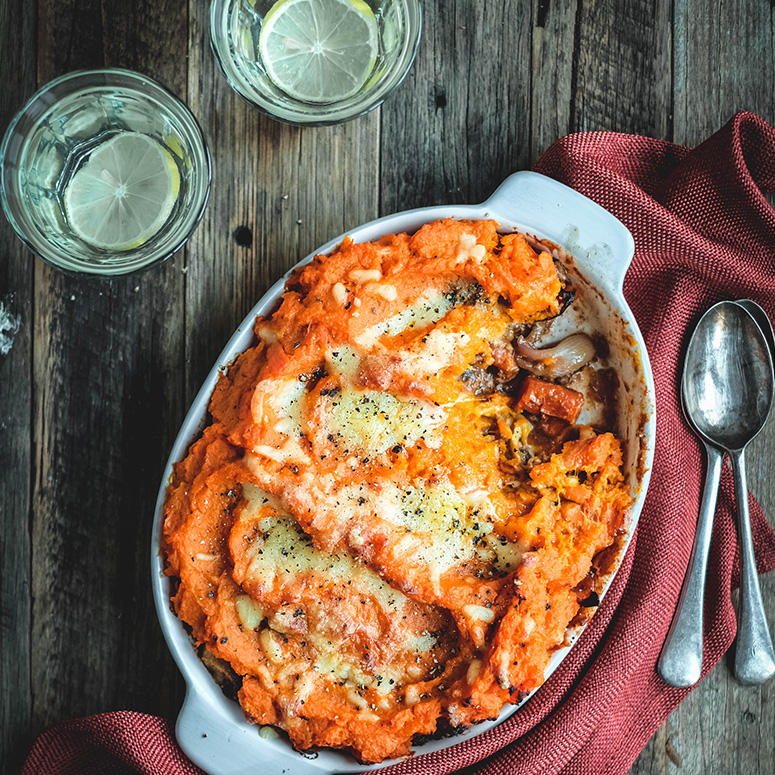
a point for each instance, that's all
(211, 729)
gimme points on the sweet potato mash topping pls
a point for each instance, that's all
(387, 526)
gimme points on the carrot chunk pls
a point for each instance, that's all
(541, 397)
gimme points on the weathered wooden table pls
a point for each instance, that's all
(97, 375)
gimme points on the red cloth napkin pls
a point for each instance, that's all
(703, 232)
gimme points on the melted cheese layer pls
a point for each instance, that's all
(282, 552)
(308, 593)
(370, 421)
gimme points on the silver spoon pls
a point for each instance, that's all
(727, 391)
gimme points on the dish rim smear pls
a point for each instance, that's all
(211, 728)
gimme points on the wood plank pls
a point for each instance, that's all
(623, 65)
(460, 122)
(279, 192)
(724, 63)
(552, 77)
(17, 33)
(108, 365)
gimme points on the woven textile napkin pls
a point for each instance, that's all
(703, 232)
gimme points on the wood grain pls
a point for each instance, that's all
(17, 32)
(623, 67)
(108, 355)
(460, 123)
(724, 63)
(554, 66)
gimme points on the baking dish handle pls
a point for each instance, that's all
(223, 744)
(599, 242)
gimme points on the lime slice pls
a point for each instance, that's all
(124, 193)
(319, 50)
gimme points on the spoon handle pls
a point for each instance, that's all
(680, 663)
(755, 657)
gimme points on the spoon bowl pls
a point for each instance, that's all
(727, 386)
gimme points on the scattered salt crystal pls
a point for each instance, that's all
(9, 325)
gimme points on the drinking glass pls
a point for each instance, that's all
(54, 136)
(235, 29)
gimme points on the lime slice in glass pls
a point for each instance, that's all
(319, 50)
(124, 193)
